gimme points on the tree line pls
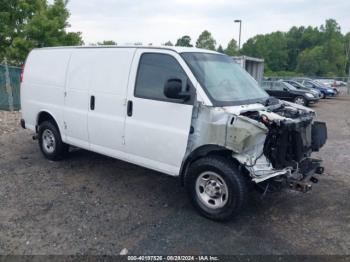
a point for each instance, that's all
(314, 51)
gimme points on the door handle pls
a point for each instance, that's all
(129, 108)
(92, 102)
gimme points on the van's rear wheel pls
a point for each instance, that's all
(50, 141)
(216, 187)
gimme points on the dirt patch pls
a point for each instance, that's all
(9, 122)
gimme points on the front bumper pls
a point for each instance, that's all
(313, 100)
(329, 93)
(303, 181)
(287, 159)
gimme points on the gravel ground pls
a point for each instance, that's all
(92, 204)
(9, 122)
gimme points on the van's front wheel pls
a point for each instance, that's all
(216, 188)
(50, 141)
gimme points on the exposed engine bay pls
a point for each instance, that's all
(271, 142)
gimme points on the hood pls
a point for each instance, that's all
(316, 91)
(267, 110)
(325, 89)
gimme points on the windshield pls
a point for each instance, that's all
(225, 82)
(289, 86)
(295, 84)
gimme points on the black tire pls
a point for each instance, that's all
(59, 149)
(323, 96)
(236, 187)
(298, 100)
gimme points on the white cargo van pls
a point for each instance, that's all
(182, 111)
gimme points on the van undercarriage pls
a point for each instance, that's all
(273, 143)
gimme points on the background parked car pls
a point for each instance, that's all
(285, 91)
(325, 91)
(297, 85)
(331, 83)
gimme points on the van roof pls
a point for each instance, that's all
(178, 49)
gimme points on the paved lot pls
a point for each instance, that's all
(91, 204)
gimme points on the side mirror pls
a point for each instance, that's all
(173, 90)
(285, 89)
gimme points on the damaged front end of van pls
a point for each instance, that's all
(271, 144)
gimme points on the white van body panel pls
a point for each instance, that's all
(43, 83)
(109, 83)
(61, 82)
(157, 133)
(77, 98)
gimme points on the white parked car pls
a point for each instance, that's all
(184, 112)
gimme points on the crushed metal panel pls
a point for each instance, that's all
(217, 127)
(245, 135)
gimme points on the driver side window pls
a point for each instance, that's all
(153, 72)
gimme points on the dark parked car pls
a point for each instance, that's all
(297, 85)
(285, 91)
(325, 91)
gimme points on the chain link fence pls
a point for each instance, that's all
(9, 87)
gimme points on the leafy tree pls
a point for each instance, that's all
(327, 57)
(13, 16)
(220, 49)
(310, 37)
(333, 43)
(311, 61)
(293, 38)
(169, 43)
(107, 42)
(272, 47)
(231, 48)
(330, 29)
(347, 51)
(256, 47)
(33, 23)
(206, 41)
(184, 41)
(278, 54)
(324, 48)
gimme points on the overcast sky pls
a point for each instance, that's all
(157, 21)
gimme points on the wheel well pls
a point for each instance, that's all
(45, 116)
(200, 152)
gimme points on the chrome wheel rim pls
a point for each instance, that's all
(299, 101)
(211, 190)
(49, 142)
